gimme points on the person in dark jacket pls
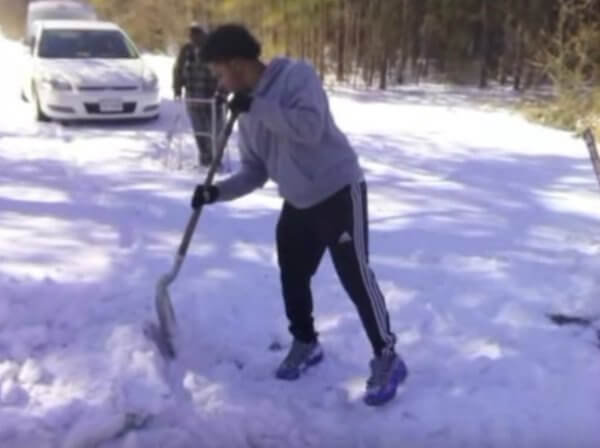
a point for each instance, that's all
(287, 133)
(193, 74)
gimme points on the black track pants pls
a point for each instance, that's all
(339, 223)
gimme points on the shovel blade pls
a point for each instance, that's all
(166, 319)
(155, 335)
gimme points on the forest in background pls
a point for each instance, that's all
(380, 43)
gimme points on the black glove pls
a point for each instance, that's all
(204, 196)
(240, 103)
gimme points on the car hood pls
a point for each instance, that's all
(96, 72)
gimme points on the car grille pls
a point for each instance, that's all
(94, 108)
(108, 88)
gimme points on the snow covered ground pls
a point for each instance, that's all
(481, 224)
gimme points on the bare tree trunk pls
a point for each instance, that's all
(444, 53)
(419, 36)
(349, 39)
(371, 72)
(404, 43)
(484, 57)
(424, 55)
(357, 59)
(288, 28)
(518, 65)
(505, 57)
(362, 47)
(341, 40)
(382, 44)
(322, 38)
(313, 36)
(416, 49)
(529, 77)
(383, 70)
(303, 45)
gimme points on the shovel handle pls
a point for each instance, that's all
(221, 143)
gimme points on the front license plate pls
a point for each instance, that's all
(111, 105)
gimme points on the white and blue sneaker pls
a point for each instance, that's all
(388, 371)
(301, 356)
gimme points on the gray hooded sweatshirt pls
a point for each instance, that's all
(289, 136)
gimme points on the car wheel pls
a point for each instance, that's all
(39, 114)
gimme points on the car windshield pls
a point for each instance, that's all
(85, 44)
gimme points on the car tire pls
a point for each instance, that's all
(39, 113)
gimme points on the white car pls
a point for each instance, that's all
(85, 70)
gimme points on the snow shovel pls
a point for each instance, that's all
(166, 315)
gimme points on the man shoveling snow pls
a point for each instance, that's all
(287, 134)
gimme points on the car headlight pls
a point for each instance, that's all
(149, 82)
(56, 83)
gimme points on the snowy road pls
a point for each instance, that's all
(481, 224)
